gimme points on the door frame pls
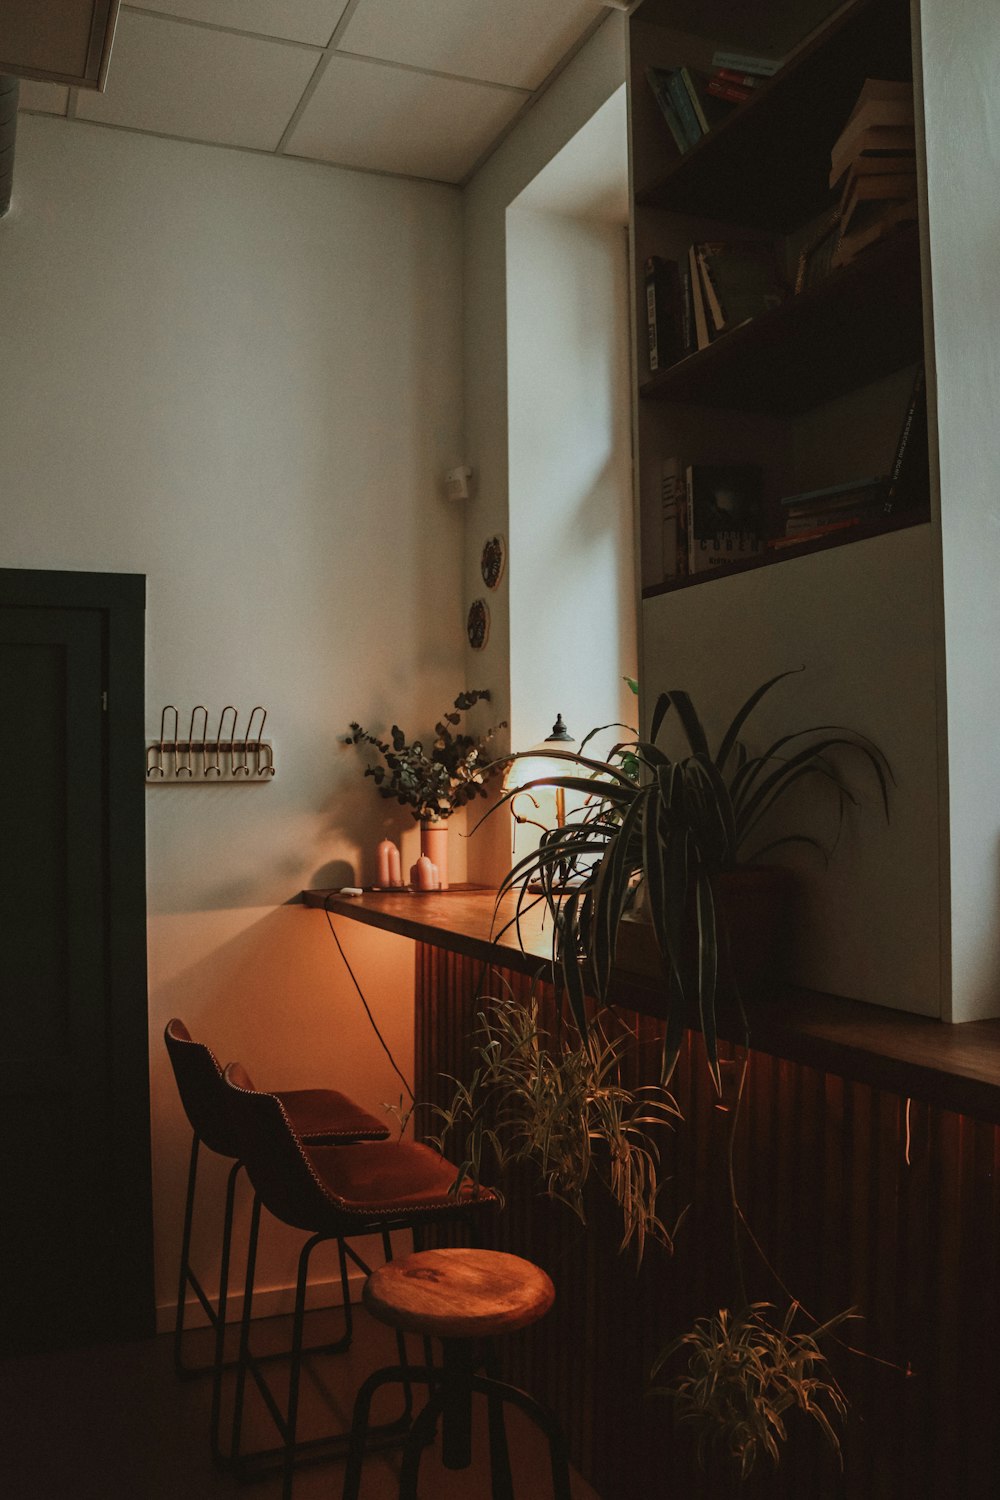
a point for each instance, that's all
(120, 598)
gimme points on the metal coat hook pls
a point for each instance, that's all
(200, 760)
(254, 742)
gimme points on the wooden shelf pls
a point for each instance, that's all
(768, 162)
(860, 323)
(849, 535)
(952, 1067)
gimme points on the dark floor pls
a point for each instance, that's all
(114, 1423)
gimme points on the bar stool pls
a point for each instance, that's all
(329, 1192)
(321, 1115)
(461, 1297)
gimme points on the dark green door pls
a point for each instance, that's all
(69, 1250)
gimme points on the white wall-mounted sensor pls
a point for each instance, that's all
(456, 483)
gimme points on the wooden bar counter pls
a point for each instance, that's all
(867, 1164)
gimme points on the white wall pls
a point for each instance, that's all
(242, 377)
(960, 57)
(593, 76)
(572, 587)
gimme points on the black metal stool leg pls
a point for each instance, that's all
(295, 1368)
(421, 1436)
(360, 1428)
(542, 1418)
(456, 1417)
(179, 1365)
(243, 1361)
(220, 1316)
(501, 1481)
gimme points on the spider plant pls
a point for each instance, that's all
(744, 1375)
(676, 826)
(563, 1107)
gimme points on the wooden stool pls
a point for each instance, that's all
(461, 1297)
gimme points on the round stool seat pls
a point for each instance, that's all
(458, 1293)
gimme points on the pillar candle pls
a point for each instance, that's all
(395, 868)
(423, 875)
(383, 861)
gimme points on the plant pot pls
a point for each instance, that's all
(752, 900)
(434, 843)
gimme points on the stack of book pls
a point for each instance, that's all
(811, 514)
(873, 164)
(737, 75)
(719, 286)
(689, 105)
(711, 515)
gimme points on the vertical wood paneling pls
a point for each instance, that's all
(842, 1220)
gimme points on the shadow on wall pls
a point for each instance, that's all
(271, 992)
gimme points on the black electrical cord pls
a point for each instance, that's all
(364, 1002)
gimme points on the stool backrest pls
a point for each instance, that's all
(273, 1155)
(199, 1083)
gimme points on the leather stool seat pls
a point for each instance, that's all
(324, 1116)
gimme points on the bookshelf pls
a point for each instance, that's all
(813, 393)
(763, 172)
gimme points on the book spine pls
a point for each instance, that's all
(692, 90)
(918, 395)
(740, 62)
(685, 109)
(732, 92)
(713, 301)
(683, 522)
(741, 80)
(702, 336)
(670, 486)
(654, 348)
(687, 315)
(692, 540)
(657, 83)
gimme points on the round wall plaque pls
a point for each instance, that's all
(477, 625)
(493, 560)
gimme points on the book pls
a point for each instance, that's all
(671, 490)
(895, 216)
(817, 255)
(742, 62)
(741, 280)
(832, 492)
(813, 533)
(734, 93)
(724, 515)
(909, 477)
(889, 99)
(866, 198)
(681, 99)
(687, 311)
(702, 337)
(663, 313)
(709, 110)
(657, 80)
(735, 76)
(872, 141)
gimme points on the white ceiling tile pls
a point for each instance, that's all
(204, 85)
(46, 98)
(388, 119)
(297, 20)
(506, 41)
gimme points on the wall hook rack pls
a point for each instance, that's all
(202, 759)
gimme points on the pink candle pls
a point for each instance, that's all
(383, 861)
(395, 868)
(423, 875)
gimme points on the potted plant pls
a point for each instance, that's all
(436, 780)
(684, 832)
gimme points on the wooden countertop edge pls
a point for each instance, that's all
(954, 1067)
